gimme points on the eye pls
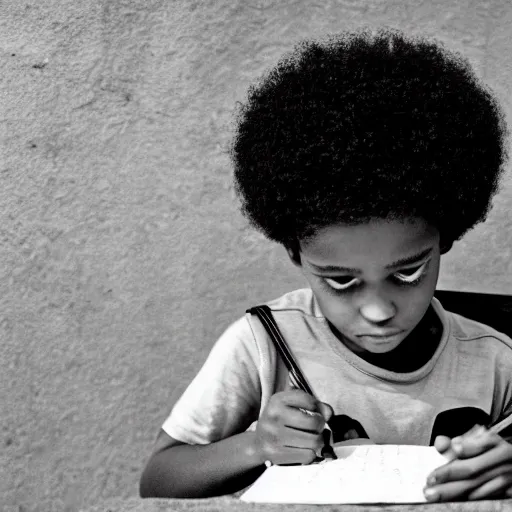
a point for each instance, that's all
(341, 283)
(411, 275)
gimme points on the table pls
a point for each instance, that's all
(231, 504)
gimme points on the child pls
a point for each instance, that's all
(366, 157)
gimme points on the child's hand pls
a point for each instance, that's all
(287, 435)
(480, 467)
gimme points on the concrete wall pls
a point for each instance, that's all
(123, 255)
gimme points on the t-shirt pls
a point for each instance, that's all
(467, 380)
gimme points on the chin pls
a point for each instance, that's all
(380, 344)
(381, 348)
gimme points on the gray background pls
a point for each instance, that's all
(123, 255)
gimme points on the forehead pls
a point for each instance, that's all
(377, 242)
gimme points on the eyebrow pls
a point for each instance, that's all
(398, 263)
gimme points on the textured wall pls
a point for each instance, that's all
(122, 253)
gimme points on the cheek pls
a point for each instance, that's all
(413, 304)
(337, 310)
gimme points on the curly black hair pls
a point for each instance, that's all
(368, 125)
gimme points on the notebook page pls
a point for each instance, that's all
(362, 474)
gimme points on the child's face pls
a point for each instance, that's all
(373, 281)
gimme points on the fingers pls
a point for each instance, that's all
(482, 468)
(300, 420)
(306, 404)
(460, 469)
(474, 455)
(287, 455)
(298, 398)
(294, 438)
(474, 443)
(325, 410)
(491, 484)
(285, 445)
(443, 444)
(290, 428)
(451, 491)
(498, 482)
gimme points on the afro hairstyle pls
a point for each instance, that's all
(366, 125)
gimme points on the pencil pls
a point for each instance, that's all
(266, 318)
(501, 426)
(301, 383)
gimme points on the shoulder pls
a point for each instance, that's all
(246, 338)
(296, 314)
(236, 342)
(466, 329)
(471, 334)
(301, 301)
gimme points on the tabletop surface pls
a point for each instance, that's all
(230, 504)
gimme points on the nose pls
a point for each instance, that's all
(377, 309)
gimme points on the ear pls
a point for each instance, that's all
(294, 254)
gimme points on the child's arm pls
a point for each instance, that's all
(283, 435)
(178, 470)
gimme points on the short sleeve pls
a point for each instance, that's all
(224, 397)
(504, 388)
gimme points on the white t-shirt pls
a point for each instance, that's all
(468, 379)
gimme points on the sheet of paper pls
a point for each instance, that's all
(362, 474)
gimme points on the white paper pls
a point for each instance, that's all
(361, 474)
